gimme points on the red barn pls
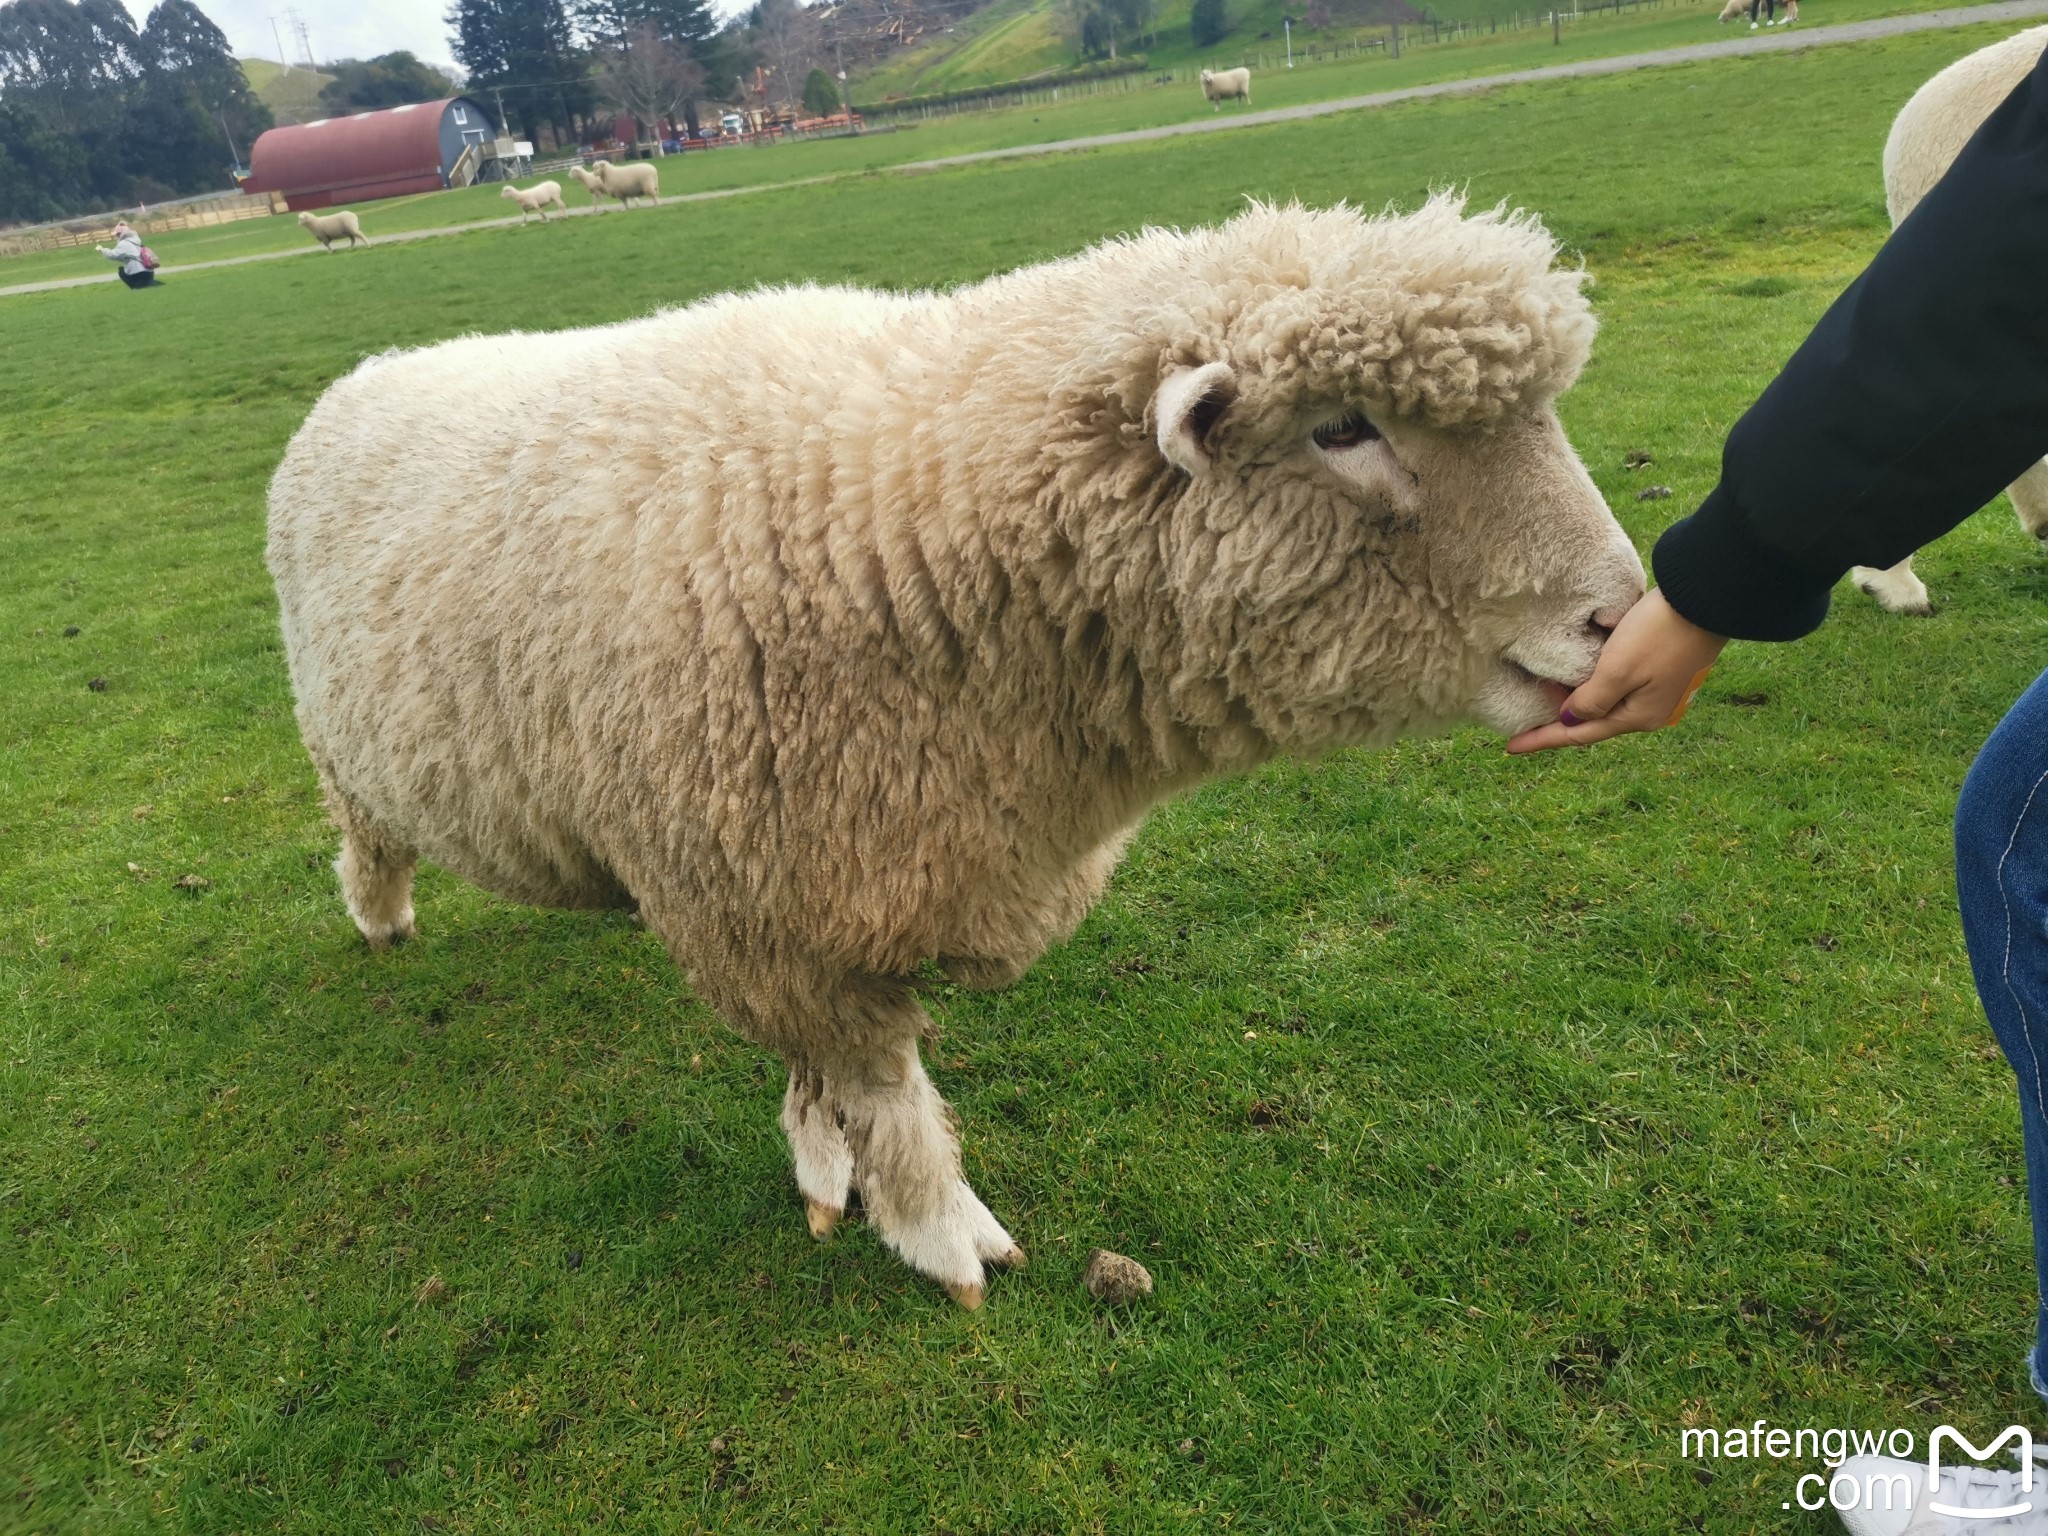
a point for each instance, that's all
(419, 148)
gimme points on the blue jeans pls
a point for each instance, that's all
(2002, 884)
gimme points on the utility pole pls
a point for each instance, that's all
(504, 131)
(227, 133)
(283, 62)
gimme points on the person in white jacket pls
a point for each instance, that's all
(127, 250)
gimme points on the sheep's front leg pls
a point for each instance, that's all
(824, 1163)
(907, 1164)
(1897, 589)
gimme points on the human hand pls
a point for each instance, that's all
(1648, 671)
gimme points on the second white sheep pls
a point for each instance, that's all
(536, 199)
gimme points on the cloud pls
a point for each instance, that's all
(337, 29)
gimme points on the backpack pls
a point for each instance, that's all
(148, 259)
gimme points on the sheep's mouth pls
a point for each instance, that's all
(1551, 688)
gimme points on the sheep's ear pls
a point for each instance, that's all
(1188, 404)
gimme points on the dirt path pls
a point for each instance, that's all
(1780, 40)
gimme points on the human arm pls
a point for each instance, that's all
(1921, 393)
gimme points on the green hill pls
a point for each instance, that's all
(1013, 40)
(292, 94)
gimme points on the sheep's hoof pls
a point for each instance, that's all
(969, 1296)
(822, 1217)
(1921, 607)
(1013, 1259)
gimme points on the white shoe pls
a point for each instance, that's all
(1752, 26)
(1891, 1499)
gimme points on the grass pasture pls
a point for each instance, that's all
(1485, 1122)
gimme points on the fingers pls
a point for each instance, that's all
(1649, 707)
(1596, 697)
(1544, 738)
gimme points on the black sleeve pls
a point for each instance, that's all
(1921, 394)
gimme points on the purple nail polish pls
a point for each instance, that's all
(1566, 717)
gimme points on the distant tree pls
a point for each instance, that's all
(1207, 23)
(389, 80)
(192, 114)
(46, 173)
(527, 48)
(67, 60)
(94, 113)
(609, 23)
(179, 43)
(1095, 27)
(821, 94)
(787, 40)
(648, 76)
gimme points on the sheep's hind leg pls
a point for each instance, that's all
(824, 1163)
(1896, 589)
(2029, 496)
(907, 1164)
(376, 875)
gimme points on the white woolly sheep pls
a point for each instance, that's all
(865, 640)
(624, 182)
(1221, 85)
(1734, 10)
(1927, 135)
(536, 199)
(330, 227)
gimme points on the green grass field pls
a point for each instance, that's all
(1115, 108)
(1485, 1122)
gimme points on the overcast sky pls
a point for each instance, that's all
(338, 29)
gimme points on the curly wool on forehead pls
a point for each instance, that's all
(1445, 319)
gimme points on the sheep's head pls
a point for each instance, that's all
(1367, 516)
(306, 219)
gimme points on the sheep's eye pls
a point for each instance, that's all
(1345, 432)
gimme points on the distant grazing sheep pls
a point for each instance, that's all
(330, 227)
(1929, 132)
(1735, 10)
(536, 199)
(863, 643)
(623, 182)
(1221, 85)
